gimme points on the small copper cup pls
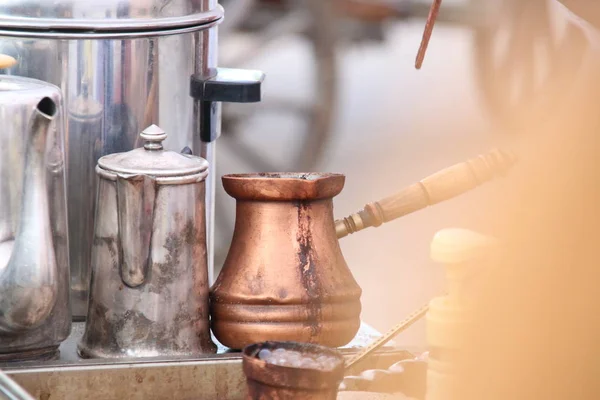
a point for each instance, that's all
(270, 381)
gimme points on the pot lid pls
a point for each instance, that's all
(152, 159)
(84, 16)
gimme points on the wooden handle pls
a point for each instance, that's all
(7, 61)
(443, 185)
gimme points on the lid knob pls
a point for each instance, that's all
(153, 135)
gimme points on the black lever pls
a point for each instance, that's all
(227, 85)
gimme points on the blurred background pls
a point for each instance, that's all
(342, 95)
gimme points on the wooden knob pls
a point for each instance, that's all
(7, 61)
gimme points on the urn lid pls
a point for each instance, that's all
(105, 18)
(152, 160)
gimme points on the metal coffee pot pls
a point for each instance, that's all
(149, 278)
(285, 278)
(35, 314)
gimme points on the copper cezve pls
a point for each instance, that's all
(285, 277)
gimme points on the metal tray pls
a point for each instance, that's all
(217, 376)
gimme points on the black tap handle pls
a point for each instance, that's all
(229, 86)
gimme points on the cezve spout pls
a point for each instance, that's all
(28, 280)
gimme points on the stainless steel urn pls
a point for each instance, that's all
(35, 316)
(149, 285)
(122, 65)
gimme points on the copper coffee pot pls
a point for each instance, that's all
(285, 278)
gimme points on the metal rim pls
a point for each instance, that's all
(159, 180)
(103, 29)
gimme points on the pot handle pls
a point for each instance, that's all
(136, 196)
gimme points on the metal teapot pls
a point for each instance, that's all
(35, 314)
(149, 278)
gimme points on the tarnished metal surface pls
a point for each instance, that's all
(217, 376)
(34, 265)
(205, 379)
(149, 287)
(285, 278)
(70, 377)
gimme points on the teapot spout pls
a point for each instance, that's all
(29, 281)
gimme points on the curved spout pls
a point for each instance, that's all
(28, 283)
